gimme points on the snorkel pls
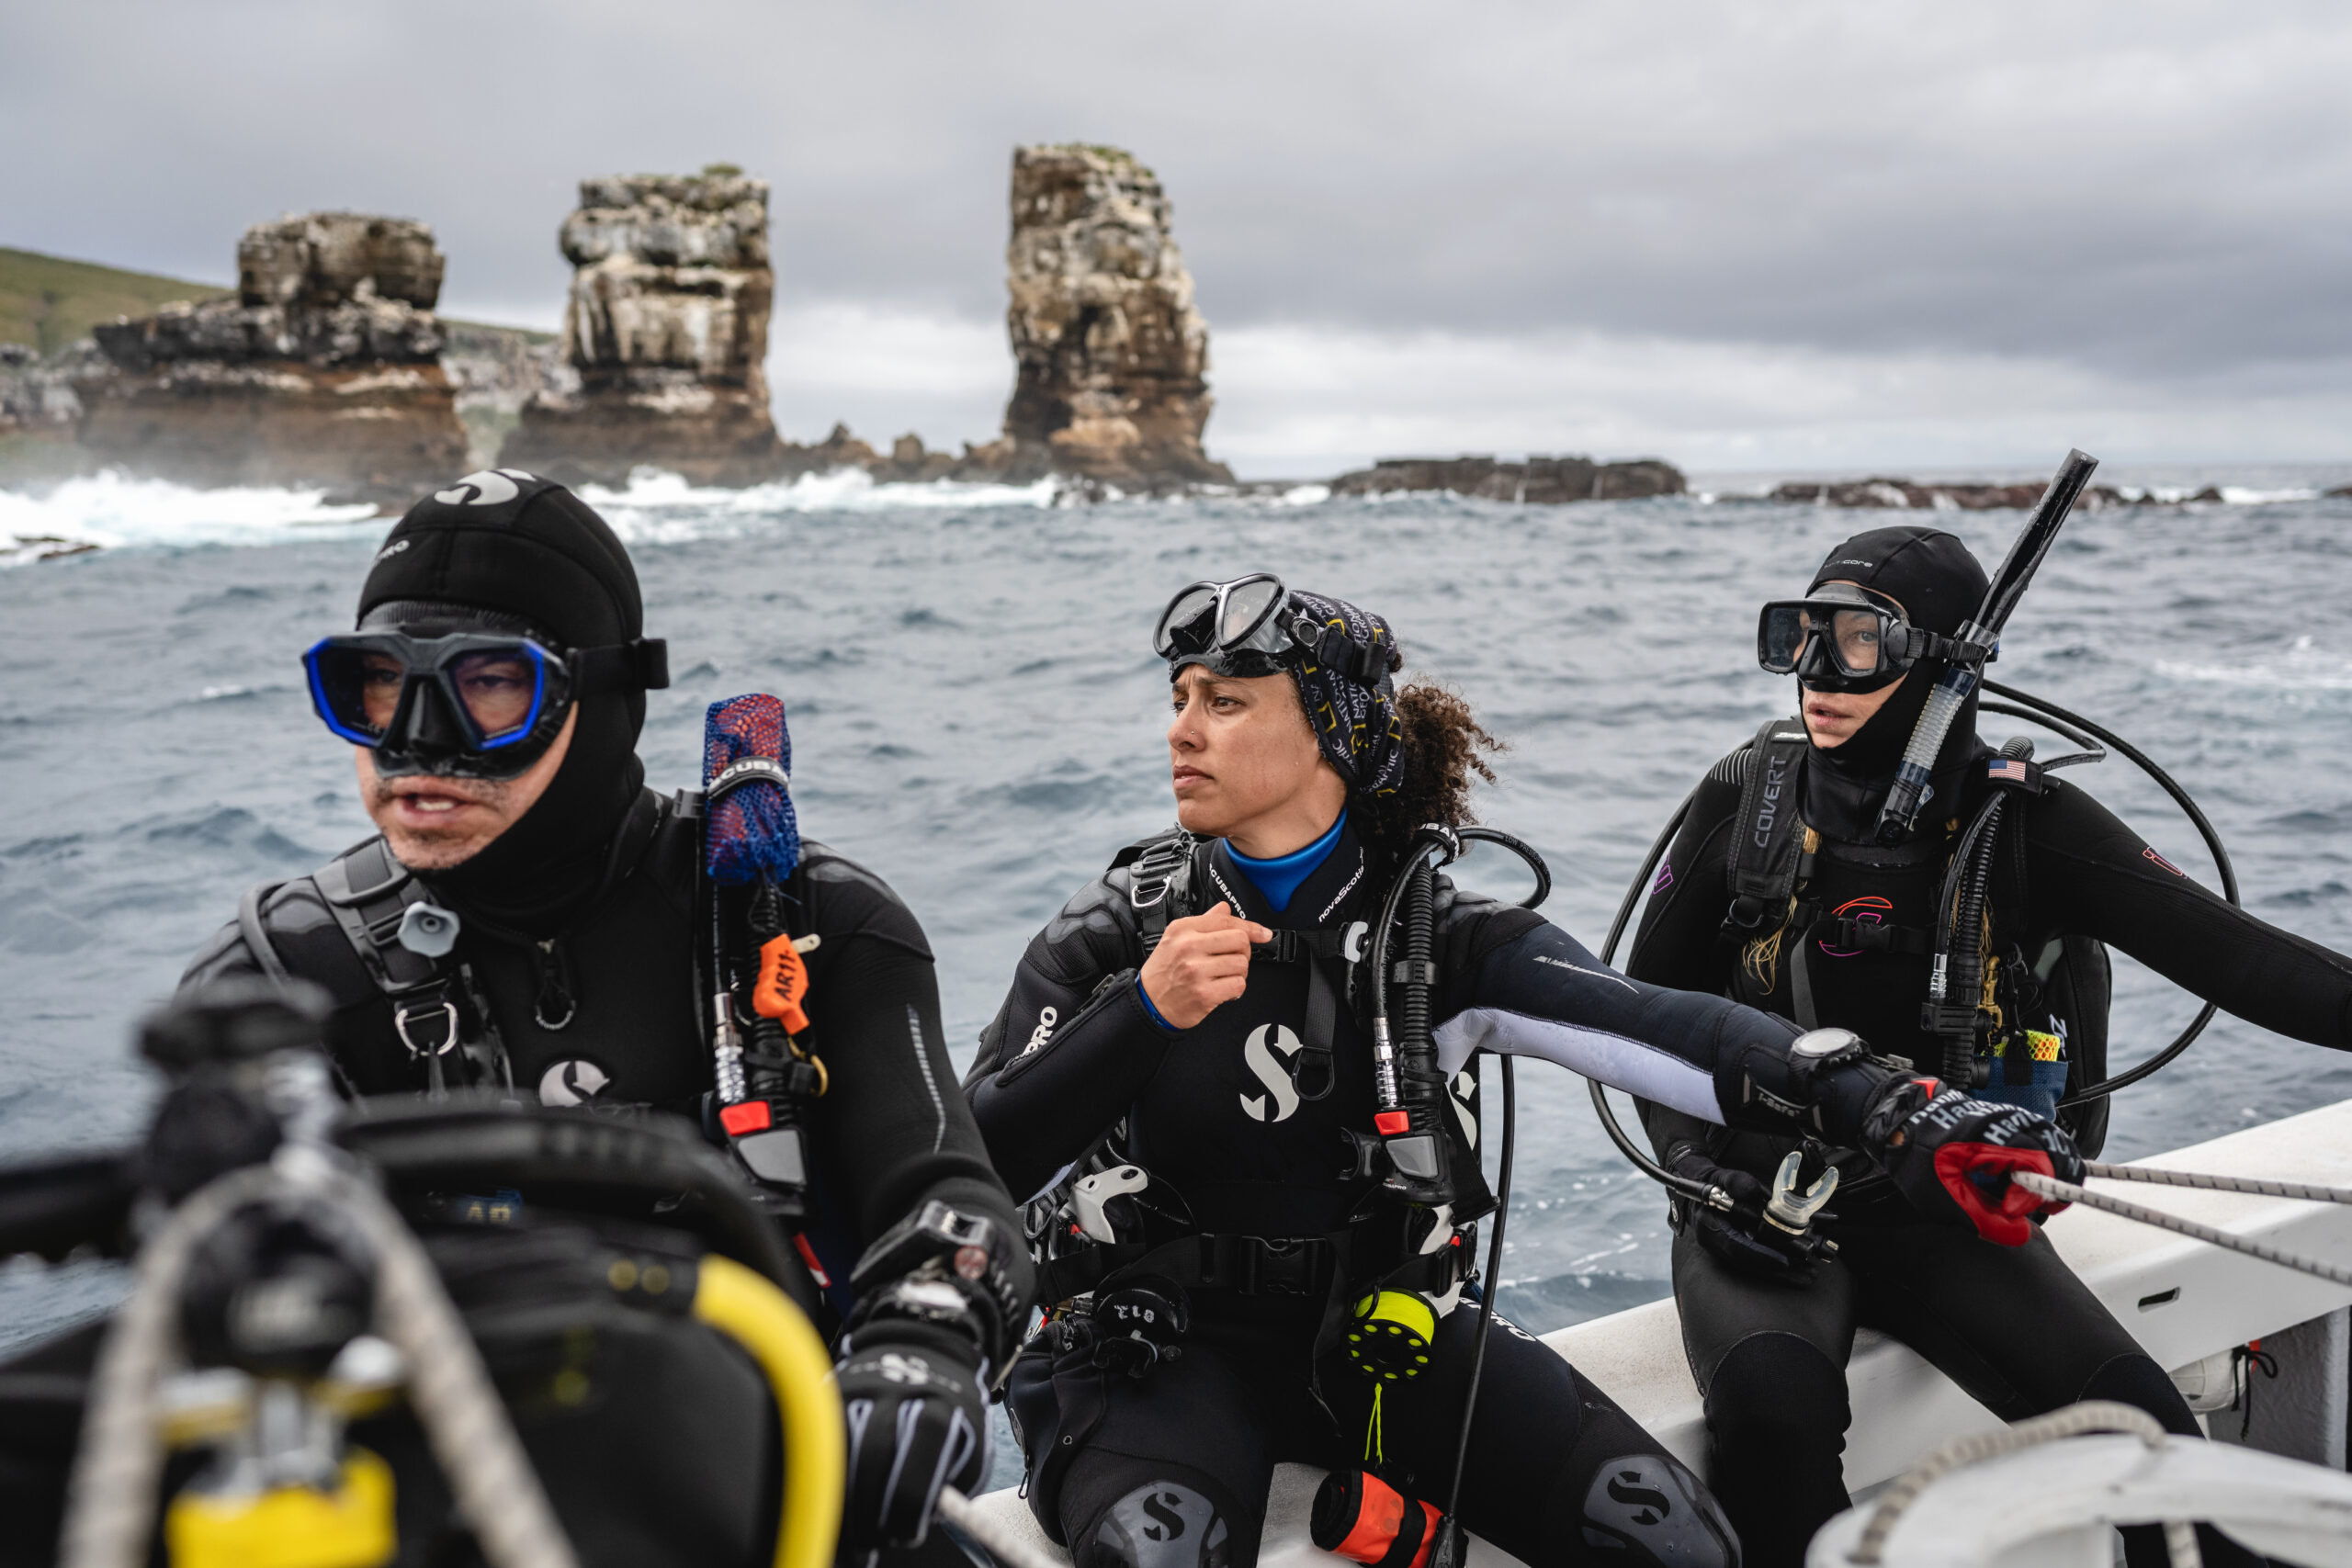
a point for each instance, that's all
(1978, 638)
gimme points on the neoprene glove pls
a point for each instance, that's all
(918, 1421)
(1953, 1155)
(1740, 1240)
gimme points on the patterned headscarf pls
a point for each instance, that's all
(1356, 725)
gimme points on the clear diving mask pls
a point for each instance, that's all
(1250, 626)
(1842, 638)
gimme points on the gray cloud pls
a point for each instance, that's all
(2145, 189)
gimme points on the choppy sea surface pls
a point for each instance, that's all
(976, 715)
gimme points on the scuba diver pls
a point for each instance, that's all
(533, 922)
(1256, 1197)
(1781, 891)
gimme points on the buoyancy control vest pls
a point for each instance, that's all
(1296, 1209)
(636, 1047)
(1849, 935)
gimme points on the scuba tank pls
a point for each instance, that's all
(318, 1368)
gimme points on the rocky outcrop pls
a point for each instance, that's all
(496, 370)
(324, 370)
(1113, 382)
(1544, 481)
(666, 330)
(36, 395)
(1964, 497)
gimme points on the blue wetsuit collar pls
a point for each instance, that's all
(1280, 877)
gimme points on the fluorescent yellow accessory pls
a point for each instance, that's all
(288, 1527)
(1389, 1337)
(776, 1334)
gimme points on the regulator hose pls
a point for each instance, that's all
(2042, 708)
(777, 1335)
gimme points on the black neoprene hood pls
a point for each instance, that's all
(504, 540)
(1926, 570)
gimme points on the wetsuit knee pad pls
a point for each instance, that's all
(2138, 1382)
(1620, 1496)
(1164, 1523)
(1779, 1390)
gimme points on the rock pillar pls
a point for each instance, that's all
(324, 370)
(667, 328)
(1113, 358)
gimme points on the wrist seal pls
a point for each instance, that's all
(940, 1268)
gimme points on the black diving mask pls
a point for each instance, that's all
(1841, 637)
(474, 704)
(1250, 626)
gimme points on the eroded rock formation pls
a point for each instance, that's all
(325, 369)
(1114, 359)
(1548, 480)
(667, 330)
(1965, 497)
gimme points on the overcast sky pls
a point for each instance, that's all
(1882, 234)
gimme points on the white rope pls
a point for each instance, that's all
(112, 1500)
(1006, 1544)
(2221, 1183)
(2067, 1192)
(2076, 1420)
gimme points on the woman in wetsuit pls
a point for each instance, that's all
(1186, 1042)
(1848, 943)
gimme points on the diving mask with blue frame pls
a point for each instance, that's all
(1843, 638)
(473, 697)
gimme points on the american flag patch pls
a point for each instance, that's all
(2006, 768)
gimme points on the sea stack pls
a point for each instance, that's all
(1113, 358)
(667, 328)
(324, 370)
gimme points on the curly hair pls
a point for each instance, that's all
(1442, 742)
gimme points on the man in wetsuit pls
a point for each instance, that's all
(1846, 942)
(1189, 1039)
(533, 919)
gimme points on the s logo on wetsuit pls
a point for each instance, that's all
(1275, 1075)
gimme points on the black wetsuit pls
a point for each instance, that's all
(1215, 1113)
(890, 1133)
(2012, 1327)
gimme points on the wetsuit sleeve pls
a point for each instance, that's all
(1676, 943)
(1540, 994)
(2087, 872)
(899, 1133)
(1072, 1047)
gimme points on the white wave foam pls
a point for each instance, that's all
(109, 511)
(2303, 669)
(662, 507)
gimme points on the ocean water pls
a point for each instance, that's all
(976, 717)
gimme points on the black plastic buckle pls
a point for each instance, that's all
(1282, 947)
(1283, 1266)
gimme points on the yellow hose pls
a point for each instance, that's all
(776, 1332)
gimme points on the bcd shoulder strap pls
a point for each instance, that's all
(1764, 865)
(371, 893)
(1159, 884)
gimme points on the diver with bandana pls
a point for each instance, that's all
(533, 922)
(1778, 893)
(1193, 1075)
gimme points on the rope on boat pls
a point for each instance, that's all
(2067, 1192)
(2221, 1183)
(2075, 1421)
(1006, 1544)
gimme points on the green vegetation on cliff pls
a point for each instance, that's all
(48, 301)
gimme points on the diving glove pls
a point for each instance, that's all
(1953, 1155)
(1748, 1240)
(918, 1421)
